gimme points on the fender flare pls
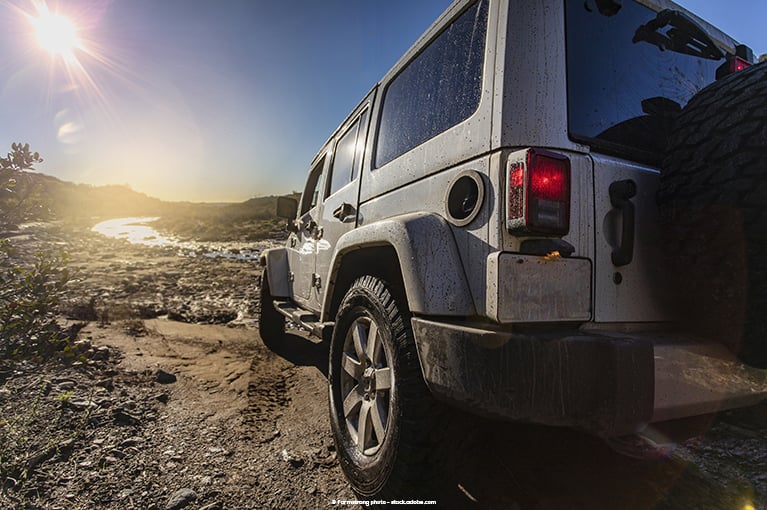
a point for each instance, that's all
(276, 259)
(432, 272)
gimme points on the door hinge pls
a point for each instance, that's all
(291, 276)
(316, 280)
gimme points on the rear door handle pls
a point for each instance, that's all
(344, 212)
(621, 193)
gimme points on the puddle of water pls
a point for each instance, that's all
(134, 230)
(137, 231)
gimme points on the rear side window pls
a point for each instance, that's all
(343, 160)
(440, 88)
(311, 191)
(348, 155)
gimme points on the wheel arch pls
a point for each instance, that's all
(416, 251)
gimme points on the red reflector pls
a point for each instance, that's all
(517, 178)
(516, 207)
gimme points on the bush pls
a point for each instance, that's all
(17, 188)
(28, 300)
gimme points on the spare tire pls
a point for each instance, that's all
(713, 198)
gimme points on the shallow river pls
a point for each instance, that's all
(139, 231)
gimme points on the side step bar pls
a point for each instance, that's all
(303, 318)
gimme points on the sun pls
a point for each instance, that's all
(56, 34)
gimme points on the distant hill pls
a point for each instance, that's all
(46, 197)
(49, 198)
(251, 220)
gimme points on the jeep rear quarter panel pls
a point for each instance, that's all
(522, 103)
(417, 180)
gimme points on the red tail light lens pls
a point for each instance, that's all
(732, 65)
(539, 193)
(549, 179)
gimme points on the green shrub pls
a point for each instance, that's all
(29, 295)
(18, 200)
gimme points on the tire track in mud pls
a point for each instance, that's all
(267, 395)
(295, 368)
(286, 420)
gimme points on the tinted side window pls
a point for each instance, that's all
(311, 191)
(348, 155)
(360, 149)
(343, 160)
(440, 88)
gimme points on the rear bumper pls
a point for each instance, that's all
(603, 384)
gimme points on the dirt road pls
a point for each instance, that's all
(263, 415)
(274, 406)
(204, 416)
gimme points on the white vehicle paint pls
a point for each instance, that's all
(563, 324)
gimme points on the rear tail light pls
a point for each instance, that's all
(731, 66)
(538, 200)
(738, 62)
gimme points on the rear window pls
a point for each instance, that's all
(440, 88)
(622, 95)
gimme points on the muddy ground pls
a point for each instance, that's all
(180, 405)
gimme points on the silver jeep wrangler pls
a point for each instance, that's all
(546, 211)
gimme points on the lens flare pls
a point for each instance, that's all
(56, 34)
(82, 62)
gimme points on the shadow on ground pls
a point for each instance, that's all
(302, 351)
(498, 465)
(502, 465)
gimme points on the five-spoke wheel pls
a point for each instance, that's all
(382, 414)
(366, 384)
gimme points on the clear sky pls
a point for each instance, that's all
(215, 100)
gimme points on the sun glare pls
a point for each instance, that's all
(56, 34)
(79, 62)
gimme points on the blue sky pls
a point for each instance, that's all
(208, 100)
(745, 20)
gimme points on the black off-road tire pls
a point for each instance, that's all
(378, 367)
(271, 323)
(713, 198)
